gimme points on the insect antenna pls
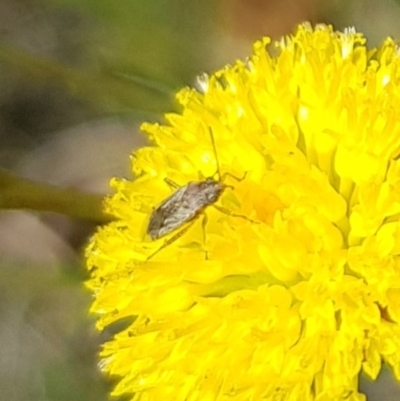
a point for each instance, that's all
(215, 154)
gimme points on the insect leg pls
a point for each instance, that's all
(171, 183)
(230, 213)
(169, 241)
(203, 225)
(227, 174)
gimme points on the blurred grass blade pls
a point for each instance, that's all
(112, 92)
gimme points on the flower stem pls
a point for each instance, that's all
(20, 193)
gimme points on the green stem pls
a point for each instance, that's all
(21, 193)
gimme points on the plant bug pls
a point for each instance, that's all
(186, 204)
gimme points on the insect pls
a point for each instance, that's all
(186, 204)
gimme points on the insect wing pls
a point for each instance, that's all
(171, 214)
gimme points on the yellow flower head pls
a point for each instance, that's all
(287, 286)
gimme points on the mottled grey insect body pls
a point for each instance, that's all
(184, 205)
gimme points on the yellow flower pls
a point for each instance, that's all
(293, 288)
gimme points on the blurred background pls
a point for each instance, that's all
(76, 79)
